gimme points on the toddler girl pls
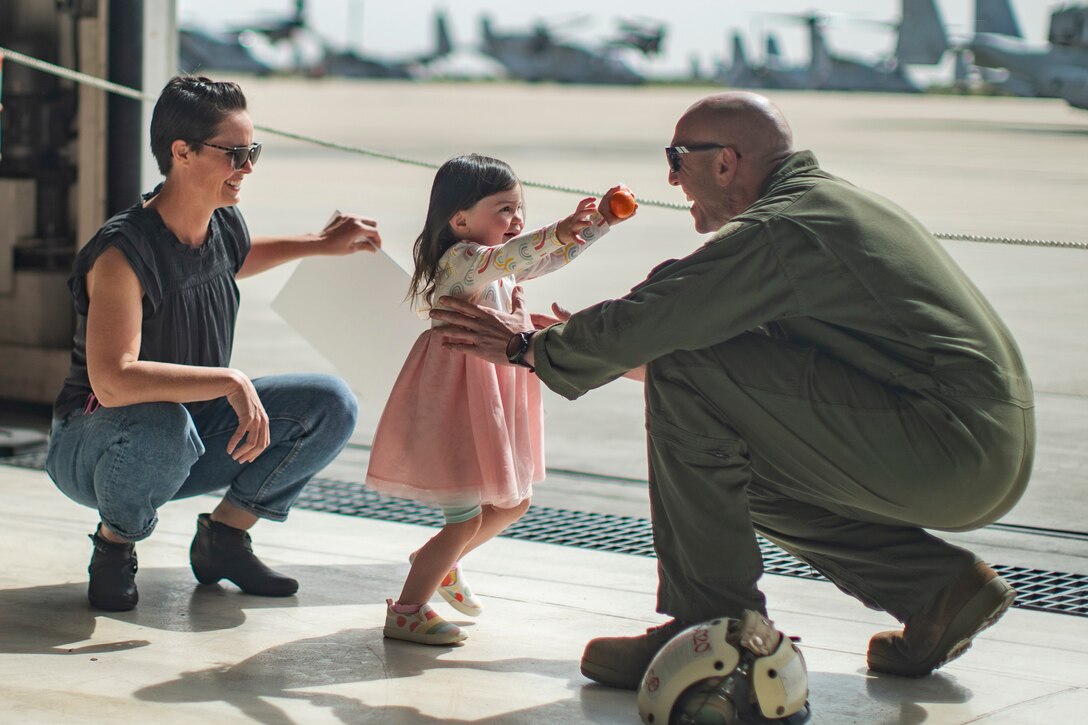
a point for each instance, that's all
(459, 432)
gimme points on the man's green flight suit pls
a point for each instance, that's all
(820, 372)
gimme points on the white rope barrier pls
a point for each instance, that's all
(110, 87)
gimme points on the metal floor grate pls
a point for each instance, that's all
(1045, 591)
(1037, 589)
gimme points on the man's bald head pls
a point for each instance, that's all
(731, 144)
(748, 121)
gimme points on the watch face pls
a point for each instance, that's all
(512, 347)
(517, 347)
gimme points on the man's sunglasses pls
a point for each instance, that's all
(674, 153)
(239, 155)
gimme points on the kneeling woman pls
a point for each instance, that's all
(150, 410)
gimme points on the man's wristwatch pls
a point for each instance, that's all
(518, 346)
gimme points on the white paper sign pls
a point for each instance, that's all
(353, 311)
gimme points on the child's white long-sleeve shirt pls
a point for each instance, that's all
(487, 275)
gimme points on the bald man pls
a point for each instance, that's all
(819, 372)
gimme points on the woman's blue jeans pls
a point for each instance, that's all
(128, 461)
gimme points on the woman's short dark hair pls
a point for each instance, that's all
(190, 108)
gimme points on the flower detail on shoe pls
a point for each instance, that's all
(425, 626)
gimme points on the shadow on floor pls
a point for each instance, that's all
(360, 656)
(885, 699)
(45, 619)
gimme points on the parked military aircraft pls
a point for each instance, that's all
(1058, 69)
(830, 71)
(740, 73)
(202, 50)
(287, 44)
(921, 41)
(239, 49)
(284, 43)
(773, 72)
(354, 65)
(644, 35)
(538, 56)
(991, 16)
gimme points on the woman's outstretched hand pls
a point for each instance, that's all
(481, 331)
(349, 233)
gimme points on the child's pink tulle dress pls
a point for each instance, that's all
(457, 430)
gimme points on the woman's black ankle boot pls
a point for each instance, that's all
(224, 552)
(113, 575)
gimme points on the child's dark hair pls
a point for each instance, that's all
(458, 185)
(190, 108)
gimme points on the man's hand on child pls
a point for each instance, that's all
(570, 228)
(481, 331)
(349, 233)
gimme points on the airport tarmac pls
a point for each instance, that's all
(985, 166)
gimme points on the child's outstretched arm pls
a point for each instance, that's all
(586, 225)
(467, 266)
(570, 229)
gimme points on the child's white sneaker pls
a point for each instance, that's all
(455, 591)
(423, 627)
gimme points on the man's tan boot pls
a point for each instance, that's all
(622, 661)
(945, 629)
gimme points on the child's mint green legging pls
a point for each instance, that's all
(461, 514)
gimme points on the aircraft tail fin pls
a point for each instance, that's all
(485, 31)
(773, 52)
(740, 58)
(443, 46)
(922, 36)
(819, 62)
(996, 16)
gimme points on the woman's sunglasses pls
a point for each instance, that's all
(239, 155)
